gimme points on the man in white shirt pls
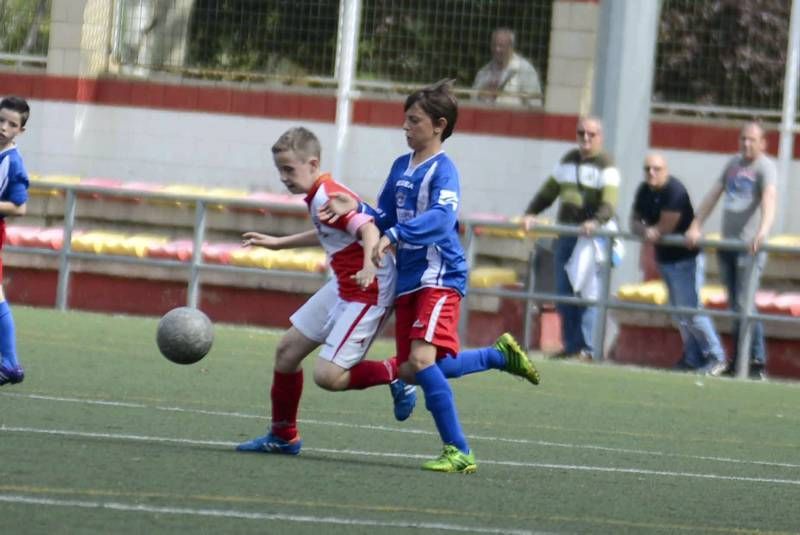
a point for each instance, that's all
(509, 79)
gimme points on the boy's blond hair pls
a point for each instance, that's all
(301, 141)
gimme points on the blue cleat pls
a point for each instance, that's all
(269, 443)
(405, 398)
(11, 375)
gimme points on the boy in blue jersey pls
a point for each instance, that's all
(14, 113)
(418, 214)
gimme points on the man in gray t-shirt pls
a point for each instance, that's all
(748, 185)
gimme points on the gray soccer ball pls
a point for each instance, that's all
(185, 335)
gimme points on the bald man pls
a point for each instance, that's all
(748, 183)
(662, 206)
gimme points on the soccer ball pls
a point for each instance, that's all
(184, 335)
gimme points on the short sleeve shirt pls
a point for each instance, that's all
(743, 184)
(673, 197)
(13, 177)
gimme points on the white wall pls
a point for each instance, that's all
(499, 174)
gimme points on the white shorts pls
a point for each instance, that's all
(345, 329)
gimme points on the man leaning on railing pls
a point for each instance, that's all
(662, 206)
(748, 182)
(587, 184)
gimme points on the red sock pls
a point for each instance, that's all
(285, 395)
(369, 373)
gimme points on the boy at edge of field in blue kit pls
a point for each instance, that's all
(344, 316)
(14, 113)
(417, 212)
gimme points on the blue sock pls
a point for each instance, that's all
(472, 361)
(8, 339)
(439, 401)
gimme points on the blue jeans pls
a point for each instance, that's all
(684, 279)
(734, 270)
(577, 322)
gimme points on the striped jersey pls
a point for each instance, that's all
(13, 177)
(344, 251)
(418, 211)
(587, 187)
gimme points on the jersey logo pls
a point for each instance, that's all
(417, 325)
(448, 197)
(400, 198)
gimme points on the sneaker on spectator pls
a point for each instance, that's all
(758, 371)
(714, 368)
(563, 355)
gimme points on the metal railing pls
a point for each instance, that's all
(196, 266)
(605, 302)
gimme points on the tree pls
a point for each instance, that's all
(24, 26)
(722, 52)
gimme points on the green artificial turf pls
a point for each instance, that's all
(107, 436)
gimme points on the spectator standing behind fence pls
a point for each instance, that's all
(662, 206)
(509, 78)
(587, 183)
(748, 183)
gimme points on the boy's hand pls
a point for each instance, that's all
(365, 277)
(384, 245)
(337, 205)
(261, 240)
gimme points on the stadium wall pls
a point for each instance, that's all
(221, 137)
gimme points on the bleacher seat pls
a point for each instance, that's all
(491, 277)
(172, 250)
(219, 253)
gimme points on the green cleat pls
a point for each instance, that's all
(517, 361)
(452, 461)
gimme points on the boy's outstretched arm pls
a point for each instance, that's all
(301, 239)
(369, 235)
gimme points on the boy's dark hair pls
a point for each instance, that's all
(17, 104)
(299, 140)
(438, 103)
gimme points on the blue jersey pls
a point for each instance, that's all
(13, 177)
(418, 211)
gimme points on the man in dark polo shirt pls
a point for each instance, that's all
(662, 206)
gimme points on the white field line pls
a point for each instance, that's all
(543, 443)
(364, 453)
(248, 515)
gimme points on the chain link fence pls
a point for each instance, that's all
(24, 32)
(722, 54)
(295, 42)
